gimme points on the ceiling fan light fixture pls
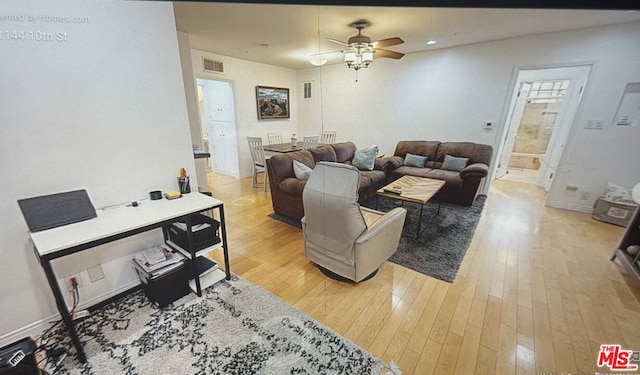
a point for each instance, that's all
(358, 58)
(361, 49)
(350, 57)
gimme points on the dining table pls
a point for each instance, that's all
(282, 148)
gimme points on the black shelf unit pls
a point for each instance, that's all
(205, 278)
(631, 236)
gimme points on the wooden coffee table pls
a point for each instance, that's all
(412, 189)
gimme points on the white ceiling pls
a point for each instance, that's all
(287, 35)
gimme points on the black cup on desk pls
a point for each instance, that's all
(155, 195)
(183, 184)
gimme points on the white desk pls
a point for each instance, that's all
(113, 224)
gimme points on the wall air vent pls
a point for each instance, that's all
(307, 90)
(213, 66)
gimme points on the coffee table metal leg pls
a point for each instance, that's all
(418, 231)
(437, 212)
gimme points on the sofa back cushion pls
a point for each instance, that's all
(282, 164)
(423, 148)
(344, 151)
(323, 153)
(477, 153)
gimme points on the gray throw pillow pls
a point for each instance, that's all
(364, 159)
(301, 171)
(415, 160)
(452, 163)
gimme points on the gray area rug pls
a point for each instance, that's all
(444, 240)
(235, 328)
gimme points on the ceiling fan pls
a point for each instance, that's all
(362, 50)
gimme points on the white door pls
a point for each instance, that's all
(559, 91)
(219, 124)
(512, 128)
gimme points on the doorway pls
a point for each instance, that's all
(542, 109)
(216, 108)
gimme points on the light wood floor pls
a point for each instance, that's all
(536, 292)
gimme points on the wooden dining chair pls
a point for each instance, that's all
(258, 159)
(328, 137)
(274, 138)
(310, 142)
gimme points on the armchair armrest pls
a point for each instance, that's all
(382, 224)
(475, 170)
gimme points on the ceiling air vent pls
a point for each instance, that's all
(213, 66)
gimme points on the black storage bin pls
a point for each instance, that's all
(165, 288)
(201, 238)
(20, 354)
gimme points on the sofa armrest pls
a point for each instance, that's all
(381, 164)
(395, 162)
(475, 170)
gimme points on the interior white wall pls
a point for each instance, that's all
(191, 98)
(245, 76)
(103, 111)
(449, 94)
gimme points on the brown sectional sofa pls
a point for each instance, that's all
(461, 187)
(286, 189)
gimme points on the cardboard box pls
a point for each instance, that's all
(613, 212)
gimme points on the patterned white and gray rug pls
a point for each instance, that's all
(235, 328)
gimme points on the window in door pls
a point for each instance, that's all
(539, 118)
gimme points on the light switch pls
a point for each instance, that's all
(594, 124)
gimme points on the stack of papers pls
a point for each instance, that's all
(194, 228)
(157, 261)
(154, 255)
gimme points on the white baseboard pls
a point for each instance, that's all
(571, 207)
(36, 328)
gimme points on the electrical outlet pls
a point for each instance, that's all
(67, 281)
(584, 195)
(594, 124)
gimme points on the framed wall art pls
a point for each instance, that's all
(273, 102)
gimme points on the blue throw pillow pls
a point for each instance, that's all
(364, 159)
(415, 160)
(301, 171)
(452, 163)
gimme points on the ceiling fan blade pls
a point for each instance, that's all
(338, 42)
(387, 42)
(386, 53)
(329, 52)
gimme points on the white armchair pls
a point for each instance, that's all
(345, 240)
